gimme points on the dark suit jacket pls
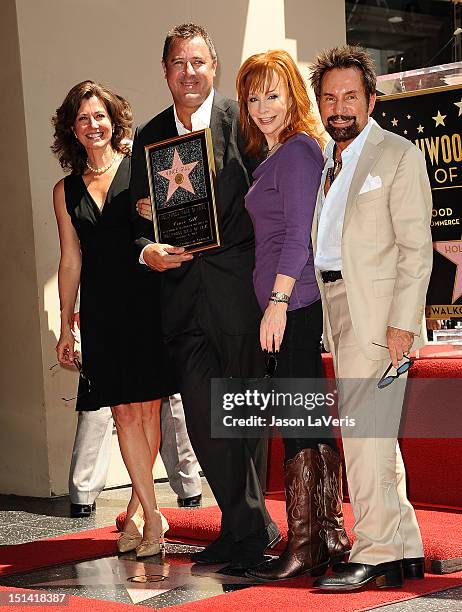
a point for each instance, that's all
(222, 276)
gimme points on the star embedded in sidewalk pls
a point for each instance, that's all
(178, 175)
(459, 105)
(452, 250)
(394, 122)
(420, 129)
(126, 579)
(439, 119)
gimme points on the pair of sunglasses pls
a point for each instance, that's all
(386, 379)
(82, 376)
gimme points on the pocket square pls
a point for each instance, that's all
(371, 183)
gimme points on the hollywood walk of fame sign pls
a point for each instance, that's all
(181, 175)
(432, 120)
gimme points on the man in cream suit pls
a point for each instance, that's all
(373, 258)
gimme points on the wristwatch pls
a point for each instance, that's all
(279, 296)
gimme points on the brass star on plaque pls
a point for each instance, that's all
(178, 175)
(459, 106)
(439, 119)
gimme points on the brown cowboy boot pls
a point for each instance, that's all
(306, 550)
(335, 535)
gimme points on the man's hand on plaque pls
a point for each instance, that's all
(435, 324)
(143, 208)
(399, 342)
(161, 257)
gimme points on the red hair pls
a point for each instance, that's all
(256, 75)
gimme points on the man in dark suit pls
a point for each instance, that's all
(210, 313)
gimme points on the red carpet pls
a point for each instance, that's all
(441, 531)
(19, 558)
(202, 525)
(294, 596)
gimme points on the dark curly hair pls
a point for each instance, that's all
(69, 151)
(344, 56)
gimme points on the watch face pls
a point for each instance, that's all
(279, 296)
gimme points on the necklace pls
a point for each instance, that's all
(273, 148)
(332, 173)
(104, 168)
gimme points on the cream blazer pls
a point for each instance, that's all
(386, 246)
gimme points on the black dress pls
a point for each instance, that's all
(123, 355)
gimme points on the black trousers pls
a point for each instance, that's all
(203, 352)
(300, 357)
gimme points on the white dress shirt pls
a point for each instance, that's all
(200, 120)
(330, 225)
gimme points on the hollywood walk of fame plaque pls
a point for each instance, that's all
(431, 118)
(181, 175)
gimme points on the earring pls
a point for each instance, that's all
(248, 117)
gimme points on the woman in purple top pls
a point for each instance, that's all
(276, 119)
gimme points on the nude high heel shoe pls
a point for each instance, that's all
(128, 541)
(149, 547)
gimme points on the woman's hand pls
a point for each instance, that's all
(143, 208)
(272, 326)
(76, 321)
(65, 348)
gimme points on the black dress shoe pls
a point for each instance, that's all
(190, 502)
(413, 568)
(243, 554)
(250, 551)
(248, 559)
(220, 550)
(82, 510)
(356, 575)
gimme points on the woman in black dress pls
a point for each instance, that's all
(124, 364)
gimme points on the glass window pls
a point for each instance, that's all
(404, 34)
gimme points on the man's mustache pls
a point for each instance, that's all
(340, 118)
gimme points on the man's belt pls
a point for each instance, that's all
(330, 276)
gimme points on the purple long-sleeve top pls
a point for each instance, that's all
(281, 204)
